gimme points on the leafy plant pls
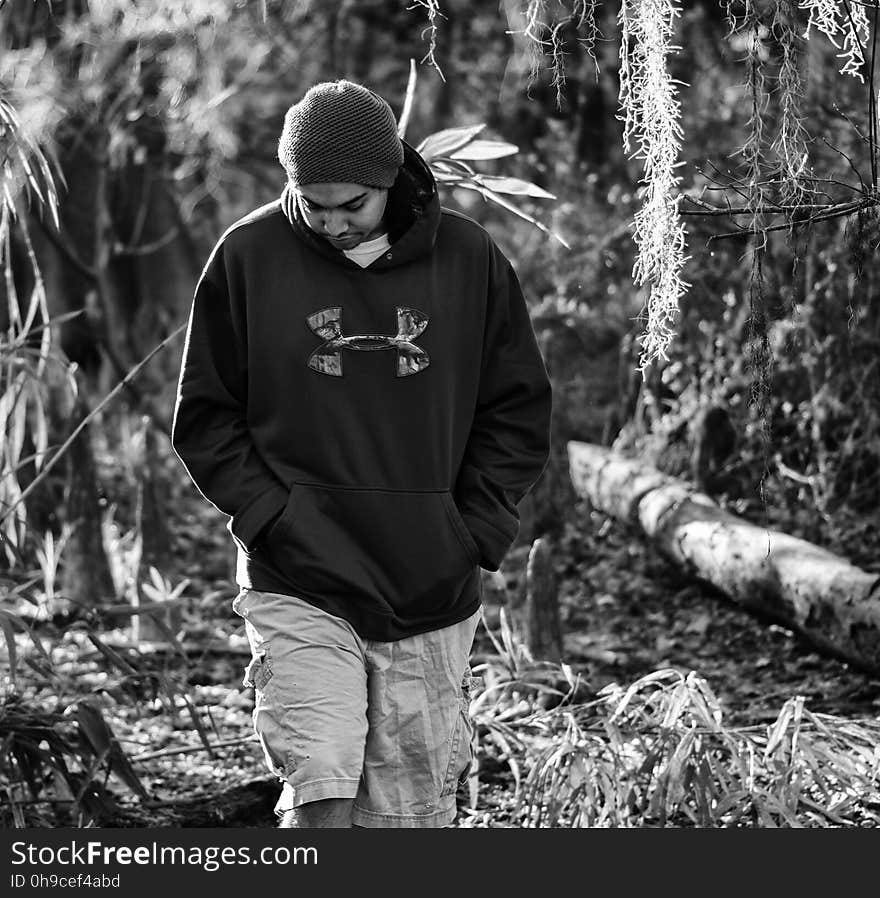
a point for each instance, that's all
(449, 153)
(61, 757)
(26, 351)
(657, 753)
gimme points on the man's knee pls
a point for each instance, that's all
(328, 813)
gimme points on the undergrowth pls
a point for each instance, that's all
(656, 753)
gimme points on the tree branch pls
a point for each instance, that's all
(795, 224)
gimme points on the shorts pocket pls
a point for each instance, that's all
(461, 747)
(269, 729)
(258, 672)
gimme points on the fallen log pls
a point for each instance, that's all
(832, 603)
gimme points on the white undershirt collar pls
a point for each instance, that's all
(368, 251)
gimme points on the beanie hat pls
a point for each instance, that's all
(342, 132)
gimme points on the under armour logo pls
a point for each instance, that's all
(327, 358)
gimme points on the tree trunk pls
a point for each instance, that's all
(543, 629)
(832, 603)
(534, 606)
(155, 542)
(85, 572)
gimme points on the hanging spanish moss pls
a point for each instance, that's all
(432, 10)
(758, 347)
(547, 34)
(535, 31)
(846, 25)
(651, 116)
(790, 145)
(777, 178)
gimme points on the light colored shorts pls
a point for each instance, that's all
(385, 723)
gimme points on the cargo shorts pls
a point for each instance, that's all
(385, 723)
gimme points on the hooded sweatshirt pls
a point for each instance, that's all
(368, 431)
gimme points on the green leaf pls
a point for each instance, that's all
(500, 201)
(93, 726)
(447, 177)
(111, 655)
(159, 622)
(121, 766)
(197, 723)
(8, 621)
(157, 596)
(100, 736)
(675, 705)
(445, 166)
(485, 149)
(443, 143)
(174, 596)
(655, 677)
(676, 782)
(6, 625)
(514, 186)
(738, 800)
(17, 421)
(777, 731)
(507, 755)
(30, 760)
(159, 582)
(40, 434)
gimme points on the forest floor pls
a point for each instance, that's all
(625, 612)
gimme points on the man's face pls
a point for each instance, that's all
(345, 214)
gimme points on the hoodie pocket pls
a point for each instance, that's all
(470, 547)
(406, 548)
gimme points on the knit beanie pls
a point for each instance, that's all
(341, 132)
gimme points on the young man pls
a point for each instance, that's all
(362, 393)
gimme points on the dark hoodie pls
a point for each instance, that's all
(372, 484)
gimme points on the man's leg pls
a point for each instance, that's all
(308, 670)
(329, 813)
(419, 740)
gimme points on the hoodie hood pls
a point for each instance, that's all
(412, 216)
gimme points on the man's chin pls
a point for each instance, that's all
(344, 242)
